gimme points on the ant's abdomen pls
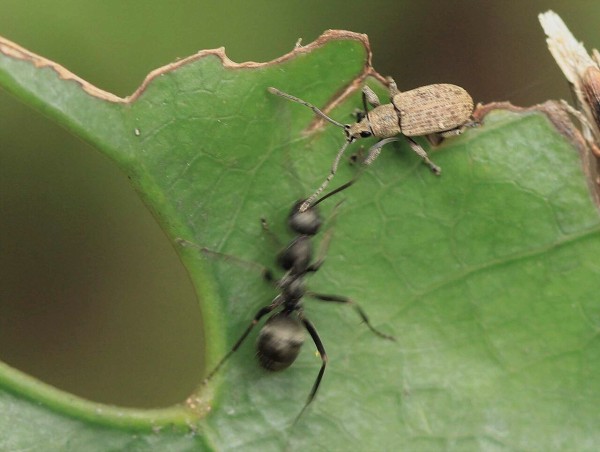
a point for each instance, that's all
(279, 342)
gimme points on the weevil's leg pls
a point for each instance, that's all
(458, 130)
(368, 95)
(393, 88)
(452, 132)
(259, 315)
(357, 156)
(375, 150)
(349, 302)
(358, 114)
(255, 266)
(306, 204)
(416, 147)
(317, 340)
(437, 137)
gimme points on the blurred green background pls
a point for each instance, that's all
(92, 296)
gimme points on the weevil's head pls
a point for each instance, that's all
(360, 129)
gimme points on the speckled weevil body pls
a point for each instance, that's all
(431, 109)
(435, 111)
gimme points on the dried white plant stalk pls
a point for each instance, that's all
(581, 70)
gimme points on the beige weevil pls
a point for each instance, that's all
(435, 111)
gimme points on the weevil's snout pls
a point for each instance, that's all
(348, 133)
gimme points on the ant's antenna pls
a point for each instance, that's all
(339, 189)
(306, 104)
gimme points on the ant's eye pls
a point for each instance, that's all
(365, 134)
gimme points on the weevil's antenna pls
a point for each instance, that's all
(306, 104)
(340, 188)
(308, 203)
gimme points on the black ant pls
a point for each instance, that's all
(281, 337)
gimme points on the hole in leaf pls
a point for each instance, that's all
(94, 299)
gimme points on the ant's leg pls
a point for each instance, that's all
(265, 226)
(317, 340)
(265, 272)
(416, 147)
(259, 315)
(325, 242)
(359, 310)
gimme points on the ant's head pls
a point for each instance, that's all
(279, 341)
(304, 223)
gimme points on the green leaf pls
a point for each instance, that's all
(487, 276)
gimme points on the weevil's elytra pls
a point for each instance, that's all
(436, 111)
(437, 108)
